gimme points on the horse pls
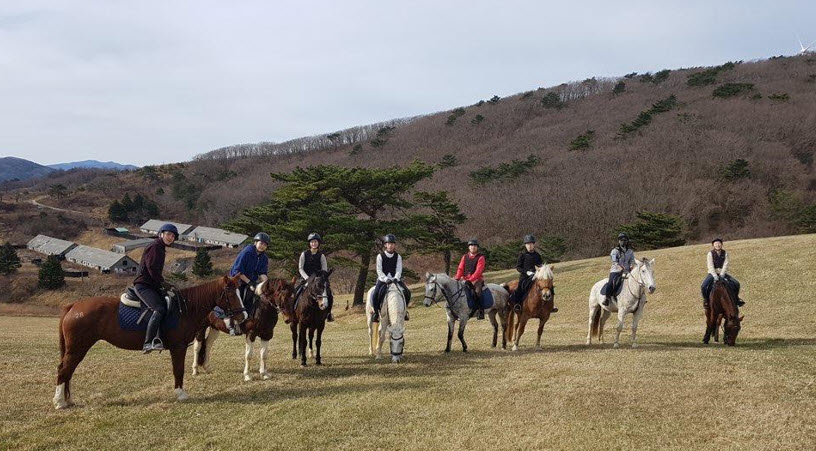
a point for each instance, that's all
(456, 307)
(631, 300)
(392, 315)
(722, 304)
(309, 316)
(89, 320)
(270, 293)
(538, 303)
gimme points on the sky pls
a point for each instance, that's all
(153, 82)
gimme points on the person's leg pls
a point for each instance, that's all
(736, 285)
(705, 289)
(521, 292)
(612, 286)
(376, 300)
(329, 293)
(157, 305)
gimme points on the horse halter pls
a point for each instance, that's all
(227, 309)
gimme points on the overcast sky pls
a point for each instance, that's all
(146, 82)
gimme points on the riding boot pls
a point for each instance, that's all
(606, 300)
(152, 340)
(740, 302)
(330, 317)
(554, 310)
(706, 306)
(481, 314)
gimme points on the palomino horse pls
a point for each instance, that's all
(392, 316)
(310, 316)
(456, 307)
(632, 300)
(87, 321)
(722, 304)
(271, 293)
(538, 303)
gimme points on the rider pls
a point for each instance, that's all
(717, 269)
(149, 285)
(528, 259)
(623, 257)
(471, 267)
(310, 263)
(251, 266)
(389, 270)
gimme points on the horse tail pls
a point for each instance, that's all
(202, 351)
(61, 333)
(509, 328)
(596, 323)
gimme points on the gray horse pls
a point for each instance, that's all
(440, 287)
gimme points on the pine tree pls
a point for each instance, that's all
(51, 274)
(202, 265)
(116, 212)
(655, 230)
(619, 88)
(9, 261)
(127, 203)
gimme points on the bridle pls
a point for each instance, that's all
(448, 303)
(227, 309)
(641, 287)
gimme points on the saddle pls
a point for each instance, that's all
(618, 289)
(486, 301)
(133, 311)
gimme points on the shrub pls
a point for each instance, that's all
(736, 170)
(655, 230)
(708, 76)
(660, 77)
(504, 171)
(780, 97)
(202, 265)
(480, 103)
(448, 161)
(582, 141)
(9, 260)
(630, 76)
(644, 118)
(552, 100)
(732, 89)
(646, 78)
(619, 88)
(51, 275)
(494, 100)
(477, 120)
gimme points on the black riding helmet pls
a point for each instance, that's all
(473, 242)
(716, 239)
(529, 239)
(169, 228)
(262, 237)
(390, 238)
(314, 236)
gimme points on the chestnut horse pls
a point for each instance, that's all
(87, 321)
(271, 293)
(309, 316)
(722, 304)
(538, 303)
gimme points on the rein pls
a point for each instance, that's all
(448, 303)
(639, 296)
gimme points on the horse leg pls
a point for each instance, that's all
(522, 323)
(311, 340)
(605, 314)
(302, 331)
(177, 355)
(540, 330)
(262, 370)
(461, 334)
(319, 342)
(450, 332)
(67, 366)
(371, 344)
(495, 324)
(294, 327)
(594, 310)
(635, 320)
(247, 355)
(619, 328)
(383, 329)
(711, 325)
(199, 340)
(503, 321)
(717, 325)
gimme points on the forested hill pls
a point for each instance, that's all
(727, 149)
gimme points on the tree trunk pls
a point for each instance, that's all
(359, 287)
(447, 256)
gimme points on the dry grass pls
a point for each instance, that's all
(672, 393)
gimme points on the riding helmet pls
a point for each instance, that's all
(473, 242)
(623, 236)
(716, 239)
(314, 236)
(169, 228)
(390, 238)
(262, 237)
(529, 239)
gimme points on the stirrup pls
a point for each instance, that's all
(330, 317)
(554, 310)
(517, 307)
(375, 317)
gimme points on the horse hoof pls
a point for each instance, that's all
(181, 395)
(447, 350)
(247, 378)
(616, 345)
(62, 404)
(319, 363)
(515, 348)
(395, 359)
(195, 372)
(377, 357)
(634, 345)
(464, 349)
(266, 376)
(303, 365)
(538, 348)
(311, 353)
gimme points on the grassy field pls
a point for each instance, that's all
(671, 393)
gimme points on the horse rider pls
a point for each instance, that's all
(470, 270)
(312, 261)
(528, 259)
(389, 270)
(718, 270)
(252, 267)
(623, 257)
(150, 285)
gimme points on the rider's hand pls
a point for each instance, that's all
(716, 278)
(530, 273)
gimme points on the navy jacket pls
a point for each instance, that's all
(250, 263)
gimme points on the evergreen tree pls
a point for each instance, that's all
(116, 212)
(127, 203)
(655, 230)
(202, 265)
(436, 231)
(619, 88)
(138, 202)
(51, 274)
(9, 261)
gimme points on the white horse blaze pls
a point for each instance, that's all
(59, 397)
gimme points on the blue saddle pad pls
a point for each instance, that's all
(129, 315)
(605, 288)
(487, 299)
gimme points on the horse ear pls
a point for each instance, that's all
(651, 262)
(294, 279)
(328, 273)
(427, 275)
(228, 281)
(552, 267)
(741, 317)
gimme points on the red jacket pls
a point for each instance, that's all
(477, 274)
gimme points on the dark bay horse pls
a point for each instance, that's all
(538, 304)
(89, 320)
(270, 294)
(309, 316)
(722, 305)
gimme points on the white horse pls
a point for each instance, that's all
(632, 299)
(439, 286)
(392, 317)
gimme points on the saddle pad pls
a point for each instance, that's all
(487, 300)
(605, 288)
(128, 317)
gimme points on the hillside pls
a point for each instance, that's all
(737, 165)
(670, 393)
(17, 168)
(93, 164)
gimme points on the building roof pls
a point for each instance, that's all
(95, 257)
(133, 244)
(48, 245)
(217, 235)
(155, 225)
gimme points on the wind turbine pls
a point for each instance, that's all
(804, 49)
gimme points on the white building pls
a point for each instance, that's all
(50, 246)
(126, 246)
(152, 226)
(220, 237)
(105, 261)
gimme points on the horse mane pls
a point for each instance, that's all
(544, 272)
(206, 290)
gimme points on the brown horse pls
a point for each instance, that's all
(722, 305)
(538, 304)
(87, 321)
(310, 316)
(271, 293)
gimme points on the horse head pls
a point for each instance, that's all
(645, 269)
(318, 288)
(544, 281)
(431, 290)
(731, 329)
(275, 291)
(230, 302)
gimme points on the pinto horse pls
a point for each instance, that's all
(722, 304)
(538, 303)
(87, 321)
(271, 293)
(309, 316)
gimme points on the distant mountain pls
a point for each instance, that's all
(93, 164)
(17, 168)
